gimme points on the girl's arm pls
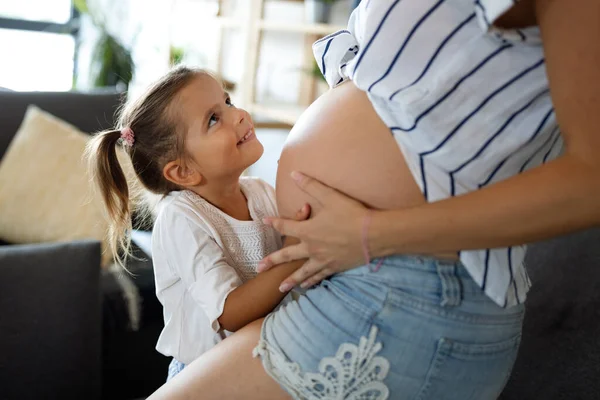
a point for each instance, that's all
(257, 297)
(184, 250)
(559, 197)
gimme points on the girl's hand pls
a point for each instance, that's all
(301, 215)
(330, 239)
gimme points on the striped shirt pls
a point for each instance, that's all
(467, 102)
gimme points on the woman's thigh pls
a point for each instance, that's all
(228, 371)
(416, 329)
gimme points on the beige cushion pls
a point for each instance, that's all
(45, 193)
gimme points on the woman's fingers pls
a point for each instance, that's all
(318, 277)
(308, 270)
(286, 254)
(286, 227)
(313, 187)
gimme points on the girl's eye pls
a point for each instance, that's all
(229, 103)
(213, 120)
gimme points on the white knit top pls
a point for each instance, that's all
(467, 102)
(200, 254)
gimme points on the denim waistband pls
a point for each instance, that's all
(449, 276)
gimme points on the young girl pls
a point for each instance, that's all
(188, 142)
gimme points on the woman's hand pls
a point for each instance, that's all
(330, 239)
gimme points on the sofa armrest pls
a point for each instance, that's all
(50, 329)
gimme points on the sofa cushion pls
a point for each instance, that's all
(45, 193)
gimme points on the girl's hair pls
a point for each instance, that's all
(158, 139)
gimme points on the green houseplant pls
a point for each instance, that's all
(112, 61)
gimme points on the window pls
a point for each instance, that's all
(57, 11)
(37, 45)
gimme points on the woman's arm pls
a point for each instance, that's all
(559, 197)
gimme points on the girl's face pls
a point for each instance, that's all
(220, 138)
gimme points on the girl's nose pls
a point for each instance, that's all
(240, 116)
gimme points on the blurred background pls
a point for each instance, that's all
(260, 48)
(74, 324)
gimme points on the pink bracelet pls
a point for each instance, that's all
(365, 246)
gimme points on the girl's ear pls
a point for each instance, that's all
(181, 175)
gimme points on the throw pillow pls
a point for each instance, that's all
(45, 191)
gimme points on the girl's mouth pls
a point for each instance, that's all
(248, 136)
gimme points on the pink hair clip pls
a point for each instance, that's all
(127, 137)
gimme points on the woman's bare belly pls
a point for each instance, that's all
(341, 141)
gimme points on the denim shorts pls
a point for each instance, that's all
(418, 328)
(175, 367)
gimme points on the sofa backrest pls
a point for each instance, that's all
(90, 112)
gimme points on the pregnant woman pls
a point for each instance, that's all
(439, 151)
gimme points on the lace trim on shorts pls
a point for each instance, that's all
(355, 373)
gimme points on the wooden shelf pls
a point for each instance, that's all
(255, 26)
(317, 29)
(287, 114)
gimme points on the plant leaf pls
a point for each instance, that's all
(81, 6)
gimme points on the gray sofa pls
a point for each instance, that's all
(65, 328)
(55, 343)
(559, 356)
(50, 328)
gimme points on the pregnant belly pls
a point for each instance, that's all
(341, 141)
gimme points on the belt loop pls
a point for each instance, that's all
(451, 285)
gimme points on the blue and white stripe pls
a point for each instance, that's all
(468, 103)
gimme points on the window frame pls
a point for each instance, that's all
(71, 27)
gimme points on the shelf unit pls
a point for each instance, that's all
(279, 115)
(254, 25)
